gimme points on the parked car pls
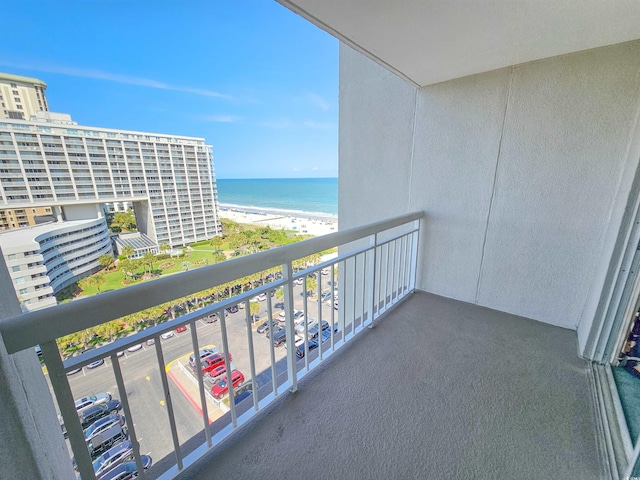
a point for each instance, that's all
(241, 396)
(203, 353)
(233, 309)
(181, 328)
(166, 335)
(74, 371)
(313, 331)
(96, 412)
(212, 361)
(221, 388)
(151, 341)
(96, 399)
(120, 453)
(262, 297)
(326, 295)
(134, 348)
(105, 433)
(313, 344)
(279, 338)
(96, 363)
(264, 326)
(211, 318)
(325, 271)
(299, 281)
(274, 331)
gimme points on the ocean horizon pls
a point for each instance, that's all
(298, 194)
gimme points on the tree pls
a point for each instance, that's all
(311, 284)
(185, 266)
(106, 260)
(163, 247)
(99, 280)
(126, 266)
(216, 241)
(254, 309)
(148, 259)
(128, 251)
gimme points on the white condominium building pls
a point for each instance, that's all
(169, 180)
(21, 97)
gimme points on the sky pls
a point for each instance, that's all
(258, 82)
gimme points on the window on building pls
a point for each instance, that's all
(16, 268)
(16, 92)
(23, 291)
(13, 85)
(19, 280)
(17, 100)
(19, 107)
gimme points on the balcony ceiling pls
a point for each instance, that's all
(432, 41)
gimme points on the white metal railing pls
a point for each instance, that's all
(376, 267)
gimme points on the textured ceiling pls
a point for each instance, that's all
(431, 41)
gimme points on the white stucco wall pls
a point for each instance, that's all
(519, 171)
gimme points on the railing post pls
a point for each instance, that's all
(287, 275)
(374, 243)
(66, 402)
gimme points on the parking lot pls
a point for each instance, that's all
(144, 388)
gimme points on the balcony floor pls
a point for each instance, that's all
(438, 389)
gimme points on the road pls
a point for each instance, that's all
(144, 388)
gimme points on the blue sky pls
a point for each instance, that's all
(258, 82)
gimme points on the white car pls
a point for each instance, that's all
(325, 271)
(91, 400)
(168, 334)
(134, 348)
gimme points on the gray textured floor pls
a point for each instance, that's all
(438, 390)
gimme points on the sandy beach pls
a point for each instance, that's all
(311, 223)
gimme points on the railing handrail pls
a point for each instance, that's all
(30, 329)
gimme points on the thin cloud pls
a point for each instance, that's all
(221, 118)
(319, 102)
(114, 77)
(318, 125)
(278, 123)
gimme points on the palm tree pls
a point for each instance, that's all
(99, 280)
(148, 259)
(106, 260)
(185, 266)
(163, 247)
(128, 251)
(254, 309)
(125, 267)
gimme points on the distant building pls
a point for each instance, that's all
(51, 161)
(44, 259)
(21, 97)
(24, 217)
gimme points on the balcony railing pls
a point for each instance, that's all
(374, 269)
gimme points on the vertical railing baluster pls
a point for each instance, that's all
(287, 275)
(332, 304)
(364, 287)
(169, 403)
(394, 273)
(66, 402)
(414, 261)
(355, 292)
(198, 372)
(227, 362)
(124, 399)
(305, 316)
(319, 291)
(408, 265)
(386, 277)
(374, 243)
(272, 353)
(252, 360)
(404, 264)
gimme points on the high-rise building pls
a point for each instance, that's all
(51, 161)
(24, 217)
(21, 97)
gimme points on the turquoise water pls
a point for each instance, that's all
(306, 194)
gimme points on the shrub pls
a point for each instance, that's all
(162, 256)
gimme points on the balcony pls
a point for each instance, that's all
(437, 388)
(379, 265)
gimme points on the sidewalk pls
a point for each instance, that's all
(180, 373)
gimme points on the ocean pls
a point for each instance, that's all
(302, 194)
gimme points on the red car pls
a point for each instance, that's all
(221, 388)
(212, 361)
(181, 328)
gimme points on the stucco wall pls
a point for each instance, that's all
(518, 169)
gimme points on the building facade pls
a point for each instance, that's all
(21, 97)
(44, 259)
(24, 217)
(50, 161)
